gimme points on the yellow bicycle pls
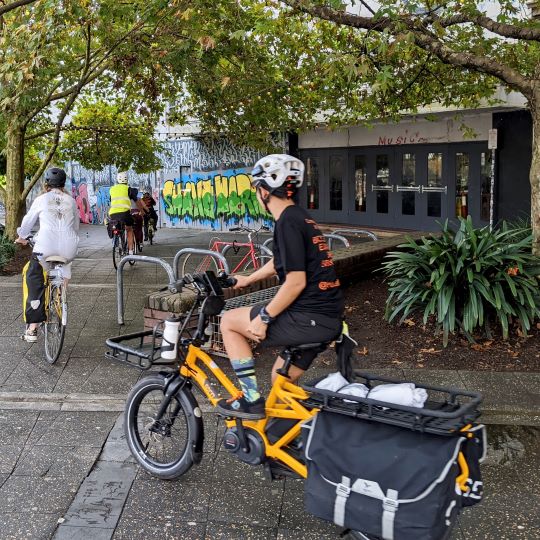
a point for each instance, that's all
(164, 424)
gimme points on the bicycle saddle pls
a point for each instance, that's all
(56, 259)
(307, 346)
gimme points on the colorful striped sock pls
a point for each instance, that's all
(245, 371)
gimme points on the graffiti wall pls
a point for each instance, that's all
(201, 184)
(214, 199)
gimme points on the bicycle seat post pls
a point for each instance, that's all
(287, 356)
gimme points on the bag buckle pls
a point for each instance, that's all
(343, 490)
(390, 505)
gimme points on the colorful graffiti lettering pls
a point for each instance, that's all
(211, 199)
(80, 194)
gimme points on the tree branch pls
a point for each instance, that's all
(14, 5)
(423, 39)
(501, 29)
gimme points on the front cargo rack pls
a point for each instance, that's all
(140, 349)
(446, 412)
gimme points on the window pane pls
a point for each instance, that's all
(434, 200)
(336, 182)
(360, 183)
(408, 178)
(485, 190)
(462, 185)
(312, 183)
(383, 179)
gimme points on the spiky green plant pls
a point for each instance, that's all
(466, 279)
(7, 250)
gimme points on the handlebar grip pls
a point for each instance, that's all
(235, 229)
(227, 281)
(265, 228)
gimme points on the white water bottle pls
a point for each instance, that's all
(169, 343)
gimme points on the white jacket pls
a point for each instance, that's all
(58, 225)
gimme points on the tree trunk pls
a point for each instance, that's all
(535, 175)
(15, 206)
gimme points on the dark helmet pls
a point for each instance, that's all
(55, 177)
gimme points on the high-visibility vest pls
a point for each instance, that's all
(120, 201)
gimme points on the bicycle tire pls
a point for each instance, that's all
(195, 264)
(55, 326)
(116, 252)
(151, 231)
(142, 442)
(261, 260)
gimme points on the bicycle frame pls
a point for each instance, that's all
(219, 245)
(283, 402)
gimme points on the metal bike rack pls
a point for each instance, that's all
(172, 286)
(372, 235)
(330, 236)
(197, 251)
(338, 237)
(267, 243)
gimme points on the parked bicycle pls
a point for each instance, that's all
(164, 426)
(56, 307)
(119, 242)
(252, 254)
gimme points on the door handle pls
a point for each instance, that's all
(416, 189)
(427, 189)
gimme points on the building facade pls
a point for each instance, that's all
(421, 171)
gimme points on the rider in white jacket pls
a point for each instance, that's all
(58, 235)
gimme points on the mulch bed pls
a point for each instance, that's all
(16, 264)
(411, 345)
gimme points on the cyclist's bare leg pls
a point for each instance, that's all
(294, 372)
(234, 325)
(130, 237)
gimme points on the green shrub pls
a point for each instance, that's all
(7, 250)
(466, 279)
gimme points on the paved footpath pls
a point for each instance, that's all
(65, 471)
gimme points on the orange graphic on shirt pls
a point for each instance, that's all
(326, 263)
(325, 285)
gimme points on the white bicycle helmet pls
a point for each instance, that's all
(122, 178)
(274, 170)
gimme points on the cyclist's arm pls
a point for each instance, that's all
(29, 220)
(294, 284)
(263, 272)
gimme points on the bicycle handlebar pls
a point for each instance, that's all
(243, 228)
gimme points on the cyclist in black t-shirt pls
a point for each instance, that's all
(308, 307)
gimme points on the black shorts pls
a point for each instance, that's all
(125, 217)
(298, 328)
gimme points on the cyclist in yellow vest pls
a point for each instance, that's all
(121, 197)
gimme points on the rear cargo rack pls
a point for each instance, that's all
(450, 412)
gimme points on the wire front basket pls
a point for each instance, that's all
(140, 349)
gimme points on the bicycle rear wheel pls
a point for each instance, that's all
(260, 260)
(117, 251)
(162, 446)
(196, 264)
(55, 327)
(151, 231)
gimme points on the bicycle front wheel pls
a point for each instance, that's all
(163, 445)
(197, 264)
(55, 327)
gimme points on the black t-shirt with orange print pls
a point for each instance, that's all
(300, 246)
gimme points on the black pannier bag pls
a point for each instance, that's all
(474, 451)
(385, 481)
